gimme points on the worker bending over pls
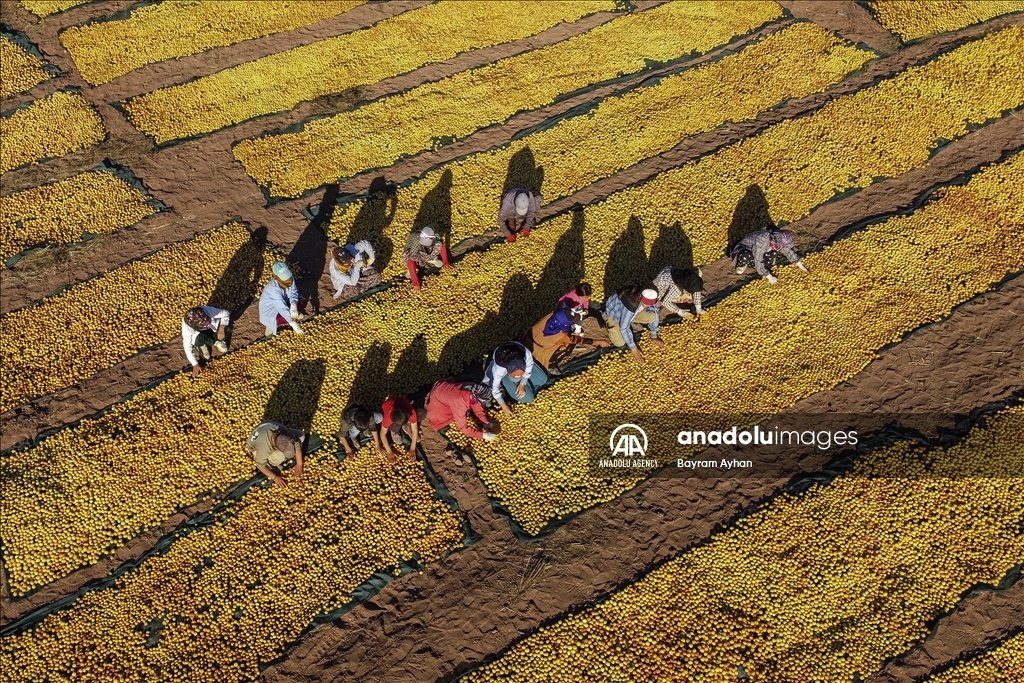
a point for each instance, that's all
(424, 248)
(205, 329)
(352, 271)
(272, 445)
(628, 306)
(518, 212)
(512, 367)
(679, 287)
(558, 335)
(398, 416)
(763, 250)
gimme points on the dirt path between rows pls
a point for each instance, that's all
(106, 387)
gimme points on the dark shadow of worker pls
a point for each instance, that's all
(672, 247)
(310, 250)
(436, 208)
(242, 277)
(627, 259)
(297, 395)
(373, 218)
(751, 214)
(369, 385)
(523, 172)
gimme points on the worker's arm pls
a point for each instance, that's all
(188, 338)
(272, 475)
(794, 258)
(380, 443)
(653, 327)
(508, 207)
(415, 428)
(462, 424)
(531, 213)
(298, 460)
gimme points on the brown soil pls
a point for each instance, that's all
(436, 624)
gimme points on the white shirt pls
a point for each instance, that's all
(341, 280)
(218, 316)
(495, 373)
(276, 300)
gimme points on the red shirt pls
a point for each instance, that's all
(389, 406)
(449, 402)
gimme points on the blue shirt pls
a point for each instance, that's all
(623, 317)
(277, 301)
(560, 321)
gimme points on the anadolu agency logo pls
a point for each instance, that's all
(628, 446)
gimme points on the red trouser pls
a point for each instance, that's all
(414, 274)
(281, 322)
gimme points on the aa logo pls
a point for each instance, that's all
(631, 442)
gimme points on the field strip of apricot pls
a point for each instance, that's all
(391, 47)
(909, 20)
(821, 586)
(20, 70)
(44, 8)
(879, 132)
(98, 323)
(103, 50)
(231, 595)
(397, 341)
(378, 134)
(50, 127)
(806, 335)
(98, 202)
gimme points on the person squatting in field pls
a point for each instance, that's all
(463, 403)
(512, 367)
(557, 336)
(763, 250)
(351, 269)
(205, 329)
(625, 307)
(279, 302)
(272, 445)
(679, 287)
(518, 212)
(424, 248)
(358, 421)
(398, 416)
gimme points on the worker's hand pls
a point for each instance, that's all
(490, 436)
(379, 448)
(336, 295)
(521, 389)
(390, 455)
(657, 342)
(801, 266)
(410, 454)
(297, 329)
(196, 370)
(511, 238)
(298, 472)
(220, 332)
(280, 482)
(505, 410)
(526, 232)
(772, 279)
(639, 355)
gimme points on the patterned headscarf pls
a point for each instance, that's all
(343, 258)
(780, 239)
(197, 319)
(481, 392)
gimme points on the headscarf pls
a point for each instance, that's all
(688, 280)
(282, 273)
(780, 239)
(343, 259)
(480, 392)
(197, 319)
(427, 236)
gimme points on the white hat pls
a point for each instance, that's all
(522, 203)
(648, 296)
(427, 236)
(282, 272)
